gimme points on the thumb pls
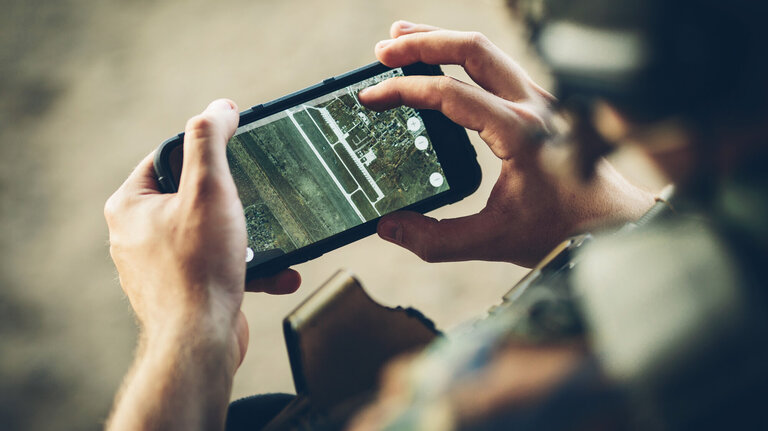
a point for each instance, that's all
(205, 141)
(464, 238)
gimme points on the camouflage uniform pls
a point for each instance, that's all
(674, 314)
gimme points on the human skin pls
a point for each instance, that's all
(519, 375)
(180, 256)
(530, 210)
(181, 261)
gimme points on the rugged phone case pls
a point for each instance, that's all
(451, 144)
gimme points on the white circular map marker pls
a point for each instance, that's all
(436, 179)
(421, 143)
(248, 254)
(414, 124)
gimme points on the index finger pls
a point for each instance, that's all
(503, 125)
(483, 61)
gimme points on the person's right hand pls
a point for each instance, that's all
(181, 256)
(529, 210)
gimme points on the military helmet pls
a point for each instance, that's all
(656, 58)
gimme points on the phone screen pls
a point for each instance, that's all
(327, 165)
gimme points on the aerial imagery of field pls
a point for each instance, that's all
(322, 167)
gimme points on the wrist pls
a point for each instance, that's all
(606, 199)
(175, 307)
(206, 337)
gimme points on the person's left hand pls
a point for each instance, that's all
(181, 256)
(531, 208)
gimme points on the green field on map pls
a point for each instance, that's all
(327, 165)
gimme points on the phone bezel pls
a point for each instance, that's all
(449, 140)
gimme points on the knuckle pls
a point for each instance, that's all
(426, 240)
(430, 254)
(430, 251)
(502, 140)
(200, 126)
(478, 41)
(112, 207)
(477, 50)
(447, 93)
(446, 84)
(529, 115)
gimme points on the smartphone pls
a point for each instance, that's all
(315, 170)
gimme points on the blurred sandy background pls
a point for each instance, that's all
(88, 88)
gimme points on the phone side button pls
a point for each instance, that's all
(329, 80)
(258, 107)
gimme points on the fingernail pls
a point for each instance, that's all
(391, 231)
(383, 43)
(405, 25)
(222, 104)
(362, 92)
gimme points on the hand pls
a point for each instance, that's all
(529, 210)
(181, 260)
(181, 256)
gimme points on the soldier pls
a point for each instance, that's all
(673, 312)
(663, 325)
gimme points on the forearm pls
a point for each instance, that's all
(180, 380)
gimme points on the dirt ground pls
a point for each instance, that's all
(88, 88)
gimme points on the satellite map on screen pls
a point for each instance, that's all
(330, 164)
